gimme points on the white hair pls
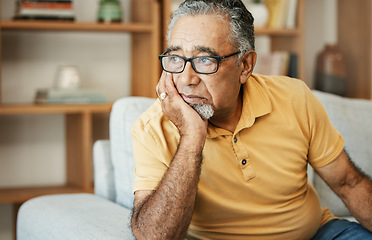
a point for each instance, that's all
(241, 20)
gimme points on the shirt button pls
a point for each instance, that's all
(244, 162)
(235, 139)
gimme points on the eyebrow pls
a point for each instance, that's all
(172, 48)
(211, 51)
(198, 48)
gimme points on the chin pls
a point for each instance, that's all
(205, 111)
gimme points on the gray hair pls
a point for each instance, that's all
(241, 20)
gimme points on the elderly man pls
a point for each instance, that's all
(223, 153)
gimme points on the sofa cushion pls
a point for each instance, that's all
(352, 118)
(73, 216)
(123, 115)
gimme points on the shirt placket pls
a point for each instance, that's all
(243, 158)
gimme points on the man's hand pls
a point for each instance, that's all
(184, 117)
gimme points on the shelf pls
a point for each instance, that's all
(76, 26)
(19, 195)
(11, 109)
(277, 32)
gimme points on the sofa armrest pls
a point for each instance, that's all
(351, 117)
(73, 216)
(104, 179)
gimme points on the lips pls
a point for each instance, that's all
(193, 99)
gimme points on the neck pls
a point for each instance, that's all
(229, 120)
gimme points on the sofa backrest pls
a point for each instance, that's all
(352, 118)
(124, 113)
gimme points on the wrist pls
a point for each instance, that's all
(194, 136)
(192, 142)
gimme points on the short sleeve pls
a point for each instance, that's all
(326, 143)
(155, 141)
(148, 169)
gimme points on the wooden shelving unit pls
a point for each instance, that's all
(77, 26)
(22, 109)
(146, 41)
(19, 195)
(278, 32)
(355, 42)
(79, 135)
(291, 40)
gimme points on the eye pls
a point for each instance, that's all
(175, 59)
(205, 60)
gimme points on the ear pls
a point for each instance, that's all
(248, 61)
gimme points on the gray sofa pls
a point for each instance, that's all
(106, 214)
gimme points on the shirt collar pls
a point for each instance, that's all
(256, 103)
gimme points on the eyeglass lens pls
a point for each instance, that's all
(202, 64)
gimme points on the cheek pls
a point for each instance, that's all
(223, 93)
(226, 87)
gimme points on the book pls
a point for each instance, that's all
(281, 19)
(282, 13)
(78, 96)
(273, 7)
(45, 9)
(292, 14)
(46, 12)
(51, 5)
(274, 63)
(293, 66)
(56, 1)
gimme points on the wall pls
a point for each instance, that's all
(320, 29)
(32, 146)
(39, 154)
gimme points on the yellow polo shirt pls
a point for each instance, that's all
(253, 182)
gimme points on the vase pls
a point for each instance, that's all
(67, 78)
(330, 73)
(109, 11)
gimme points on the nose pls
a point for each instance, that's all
(188, 76)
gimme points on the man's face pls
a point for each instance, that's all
(206, 35)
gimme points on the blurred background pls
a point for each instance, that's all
(33, 143)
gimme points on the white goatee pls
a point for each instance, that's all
(204, 110)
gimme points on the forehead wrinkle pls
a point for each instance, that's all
(198, 48)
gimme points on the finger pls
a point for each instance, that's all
(163, 89)
(163, 95)
(169, 85)
(160, 87)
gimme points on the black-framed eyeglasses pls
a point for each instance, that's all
(200, 64)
